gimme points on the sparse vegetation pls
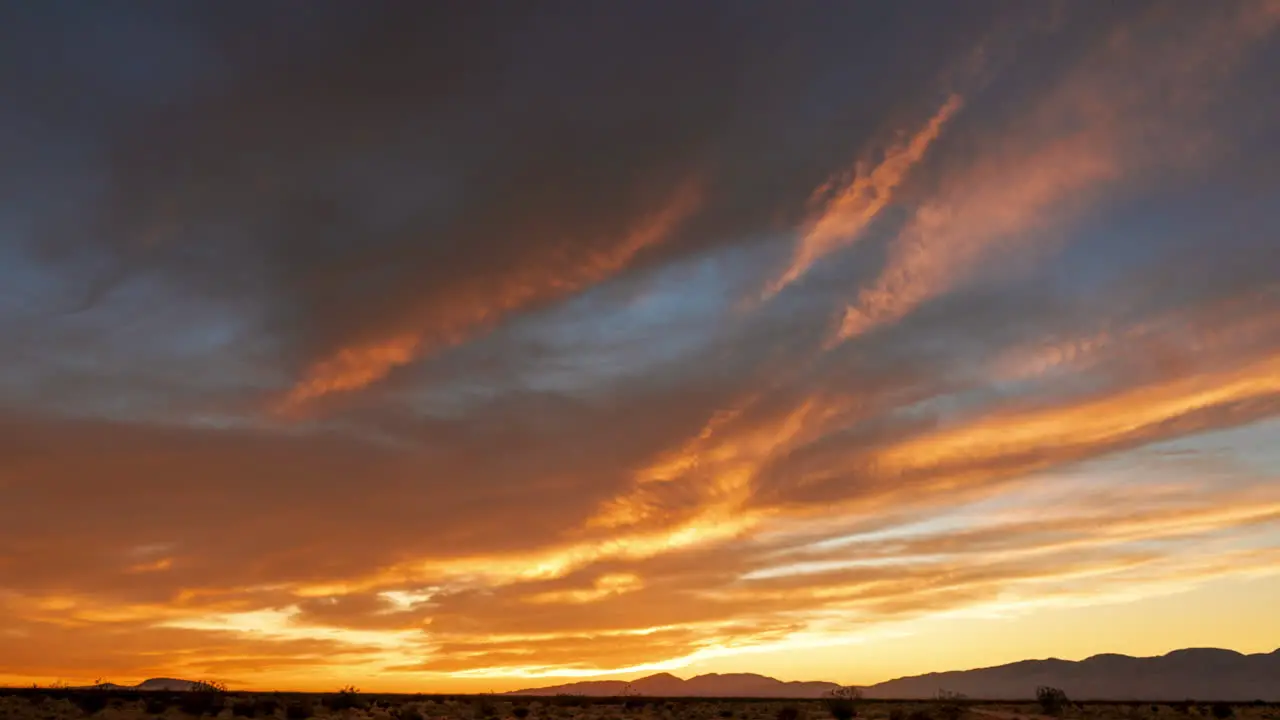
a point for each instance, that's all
(951, 705)
(116, 704)
(1052, 700)
(788, 712)
(408, 712)
(842, 703)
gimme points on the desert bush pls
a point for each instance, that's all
(520, 711)
(842, 703)
(408, 712)
(1052, 700)
(484, 709)
(266, 705)
(1222, 711)
(206, 697)
(897, 713)
(726, 713)
(300, 710)
(244, 708)
(788, 712)
(951, 705)
(157, 704)
(90, 702)
(920, 714)
(347, 698)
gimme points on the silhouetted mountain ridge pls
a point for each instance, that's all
(165, 684)
(1200, 673)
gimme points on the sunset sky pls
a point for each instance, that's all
(482, 345)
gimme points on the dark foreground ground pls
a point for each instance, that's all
(62, 704)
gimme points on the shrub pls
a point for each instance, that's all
(91, 702)
(951, 705)
(897, 713)
(206, 697)
(842, 703)
(244, 709)
(267, 705)
(347, 698)
(408, 712)
(788, 712)
(726, 713)
(520, 711)
(920, 714)
(300, 710)
(157, 704)
(1222, 711)
(1052, 700)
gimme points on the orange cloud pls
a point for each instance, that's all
(995, 202)
(1097, 126)
(1032, 437)
(859, 201)
(1226, 328)
(462, 317)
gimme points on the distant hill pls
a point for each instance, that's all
(162, 684)
(712, 685)
(1200, 673)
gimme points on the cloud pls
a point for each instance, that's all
(407, 348)
(1105, 120)
(352, 368)
(854, 204)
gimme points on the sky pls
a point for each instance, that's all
(466, 347)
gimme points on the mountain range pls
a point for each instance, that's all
(1199, 673)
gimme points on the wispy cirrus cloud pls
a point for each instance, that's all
(848, 207)
(471, 310)
(1105, 120)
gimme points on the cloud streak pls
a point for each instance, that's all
(1096, 127)
(854, 204)
(352, 368)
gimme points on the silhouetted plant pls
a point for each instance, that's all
(408, 712)
(1052, 700)
(347, 698)
(157, 704)
(91, 702)
(920, 714)
(1222, 711)
(206, 697)
(842, 703)
(726, 713)
(300, 710)
(951, 705)
(266, 705)
(484, 709)
(788, 712)
(520, 711)
(897, 713)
